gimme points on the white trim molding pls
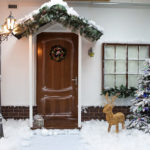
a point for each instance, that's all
(79, 79)
(31, 80)
(32, 76)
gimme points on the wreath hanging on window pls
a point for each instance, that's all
(57, 53)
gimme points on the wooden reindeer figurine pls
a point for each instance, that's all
(113, 119)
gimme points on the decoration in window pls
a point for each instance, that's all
(57, 53)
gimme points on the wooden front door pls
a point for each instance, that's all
(57, 79)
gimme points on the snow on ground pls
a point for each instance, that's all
(95, 134)
(92, 136)
(17, 134)
(59, 142)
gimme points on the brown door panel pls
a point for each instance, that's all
(57, 88)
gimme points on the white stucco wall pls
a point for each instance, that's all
(120, 24)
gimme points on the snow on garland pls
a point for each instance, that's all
(57, 53)
(57, 14)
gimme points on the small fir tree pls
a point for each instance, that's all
(140, 117)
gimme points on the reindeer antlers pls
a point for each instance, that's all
(107, 99)
(112, 99)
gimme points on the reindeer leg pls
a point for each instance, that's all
(123, 125)
(117, 128)
(109, 127)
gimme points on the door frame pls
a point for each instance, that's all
(32, 76)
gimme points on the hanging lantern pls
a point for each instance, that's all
(7, 28)
(10, 20)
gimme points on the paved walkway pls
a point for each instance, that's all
(58, 142)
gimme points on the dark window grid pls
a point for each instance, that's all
(127, 60)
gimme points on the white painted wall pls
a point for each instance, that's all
(131, 1)
(120, 23)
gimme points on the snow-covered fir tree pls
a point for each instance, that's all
(140, 117)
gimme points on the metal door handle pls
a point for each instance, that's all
(75, 80)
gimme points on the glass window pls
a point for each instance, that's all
(133, 67)
(132, 52)
(109, 81)
(121, 52)
(123, 64)
(143, 52)
(120, 80)
(109, 66)
(109, 52)
(120, 67)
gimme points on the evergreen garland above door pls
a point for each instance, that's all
(57, 14)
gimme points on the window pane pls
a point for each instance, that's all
(108, 81)
(120, 66)
(121, 52)
(109, 52)
(109, 66)
(120, 80)
(143, 52)
(132, 80)
(132, 67)
(133, 52)
(141, 66)
(139, 77)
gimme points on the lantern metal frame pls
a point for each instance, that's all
(11, 24)
(7, 31)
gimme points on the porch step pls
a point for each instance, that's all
(60, 123)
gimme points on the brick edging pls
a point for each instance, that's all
(92, 112)
(88, 113)
(17, 112)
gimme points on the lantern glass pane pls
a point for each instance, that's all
(12, 24)
(8, 23)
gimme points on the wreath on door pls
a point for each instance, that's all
(57, 53)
